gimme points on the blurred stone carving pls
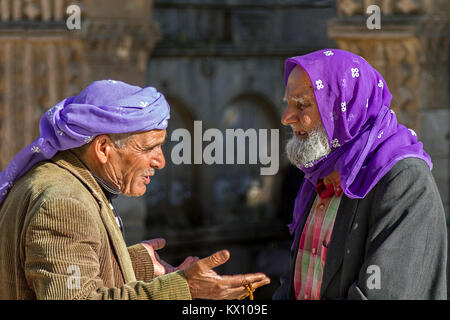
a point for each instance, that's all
(388, 7)
(350, 7)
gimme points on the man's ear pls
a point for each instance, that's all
(102, 145)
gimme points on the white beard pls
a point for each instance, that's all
(314, 147)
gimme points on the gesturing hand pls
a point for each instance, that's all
(161, 267)
(204, 283)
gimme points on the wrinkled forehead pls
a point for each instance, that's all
(324, 73)
(322, 63)
(298, 87)
(150, 137)
(296, 66)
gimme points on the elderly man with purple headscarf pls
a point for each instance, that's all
(60, 237)
(368, 220)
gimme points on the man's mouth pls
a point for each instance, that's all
(147, 177)
(300, 134)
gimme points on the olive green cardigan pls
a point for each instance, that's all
(59, 240)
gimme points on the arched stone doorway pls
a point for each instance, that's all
(172, 197)
(240, 192)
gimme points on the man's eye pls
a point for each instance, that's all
(151, 148)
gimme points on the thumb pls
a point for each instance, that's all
(216, 259)
(157, 243)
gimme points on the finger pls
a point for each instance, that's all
(259, 284)
(235, 293)
(184, 264)
(187, 262)
(240, 292)
(194, 259)
(243, 279)
(215, 260)
(157, 243)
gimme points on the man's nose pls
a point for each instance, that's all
(289, 116)
(158, 161)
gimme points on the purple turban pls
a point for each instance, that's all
(105, 106)
(365, 138)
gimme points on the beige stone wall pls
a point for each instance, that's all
(36, 72)
(42, 61)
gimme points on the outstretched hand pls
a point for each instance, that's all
(205, 283)
(161, 267)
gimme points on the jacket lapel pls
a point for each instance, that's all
(336, 249)
(118, 243)
(68, 160)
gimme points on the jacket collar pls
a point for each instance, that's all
(69, 161)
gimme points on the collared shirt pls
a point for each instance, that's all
(315, 238)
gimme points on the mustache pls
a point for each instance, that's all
(298, 129)
(149, 173)
(314, 147)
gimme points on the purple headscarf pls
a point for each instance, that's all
(365, 138)
(105, 106)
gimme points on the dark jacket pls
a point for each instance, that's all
(397, 232)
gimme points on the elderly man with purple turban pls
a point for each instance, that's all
(60, 237)
(368, 220)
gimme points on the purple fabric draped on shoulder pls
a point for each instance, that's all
(105, 106)
(366, 140)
